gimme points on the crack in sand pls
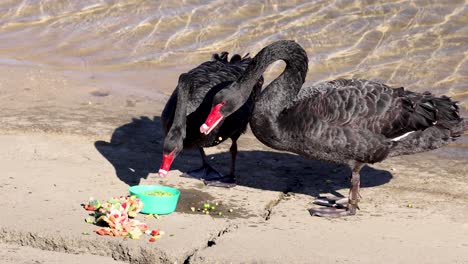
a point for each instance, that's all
(269, 207)
(212, 241)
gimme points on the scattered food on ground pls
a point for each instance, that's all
(118, 214)
(211, 208)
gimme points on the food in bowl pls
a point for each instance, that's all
(158, 193)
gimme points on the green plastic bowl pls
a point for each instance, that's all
(156, 204)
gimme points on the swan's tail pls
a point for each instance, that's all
(433, 121)
(428, 139)
(236, 58)
(421, 111)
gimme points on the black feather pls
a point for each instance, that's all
(342, 120)
(191, 102)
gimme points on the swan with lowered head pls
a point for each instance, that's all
(188, 106)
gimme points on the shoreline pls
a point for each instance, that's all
(61, 144)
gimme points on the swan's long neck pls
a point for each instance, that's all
(281, 92)
(177, 132)
(288, 84)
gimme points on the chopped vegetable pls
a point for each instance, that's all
(230, 210)
(117, 213)
(89, 220)
(135, 233)
(192, 208)
(94, 203)
(131, 205)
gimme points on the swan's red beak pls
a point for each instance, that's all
(213, 119)
(166, 164)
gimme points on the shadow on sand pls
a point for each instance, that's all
(135, 151)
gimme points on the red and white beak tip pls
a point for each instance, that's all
(204, 128)
(213, 119)
(162, 173)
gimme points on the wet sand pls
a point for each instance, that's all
(63, 141)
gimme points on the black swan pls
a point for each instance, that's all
(191, 102)
(343, 121)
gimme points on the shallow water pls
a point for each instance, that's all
(140, 47)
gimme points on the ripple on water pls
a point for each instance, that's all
(417, 44)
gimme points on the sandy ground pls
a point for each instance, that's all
(62, 142)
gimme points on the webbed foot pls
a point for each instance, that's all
(225, 182)
(337, 207)
(206, 172)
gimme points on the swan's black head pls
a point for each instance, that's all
(225, 102)
(173, 145)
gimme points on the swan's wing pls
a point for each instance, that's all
(317, 139)
(211, 74)
(391, 112)
(359, 118)
(354, 103)
(342, 120)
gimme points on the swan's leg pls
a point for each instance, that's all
(354, 194)
(205, 172)
(228, 181)
(233, 151)
(341, 207)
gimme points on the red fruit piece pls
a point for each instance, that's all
(89, 207)
(115, 232)
(155, 233)
(152, 239)
(101, 232)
